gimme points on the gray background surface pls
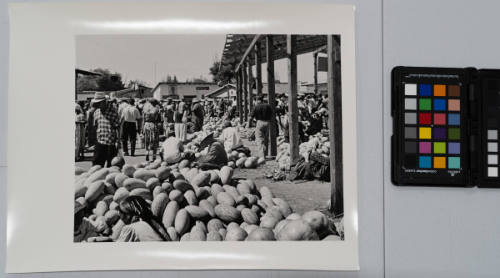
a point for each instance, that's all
(403, 232)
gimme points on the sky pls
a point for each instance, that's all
(150, 58)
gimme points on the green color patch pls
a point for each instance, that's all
(424, 104)
(439, 147)
(454, 133)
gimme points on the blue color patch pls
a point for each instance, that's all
(439, 104)
(424, 162)
(454, 119)
(424, 90)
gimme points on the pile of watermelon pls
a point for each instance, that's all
(195, 205)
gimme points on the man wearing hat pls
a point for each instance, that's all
(198, 115)
(216, 156)
(107, 123)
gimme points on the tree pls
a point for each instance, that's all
(86, 83)
(108, 81)
(221, 74)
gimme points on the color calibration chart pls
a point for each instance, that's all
(432, 126)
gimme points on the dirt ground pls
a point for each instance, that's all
(301, 195)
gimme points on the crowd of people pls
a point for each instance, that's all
(106, 125)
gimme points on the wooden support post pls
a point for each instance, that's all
(335, 124)
(76, 82)
(250, 86)
(245, 91)
(258, 69)
(315, 55)
(271, 94)
(238, 94)
(292, 99)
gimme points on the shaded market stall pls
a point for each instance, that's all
(244, 51)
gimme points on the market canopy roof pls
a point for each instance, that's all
(86, 72)
(237, 47)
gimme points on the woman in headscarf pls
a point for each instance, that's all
(141, 224)
(152, 118)
(180, 119)
(80, 122)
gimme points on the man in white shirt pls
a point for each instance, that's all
(230, 136)
(130, 117)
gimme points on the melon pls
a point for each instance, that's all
(283, 206)
(142, 192)
(243, 188)
(100, 209)
(120, 194)
(162, 173)
(225, 199)
(159, 204)
(96, 176)
(169, 214)
(240, 163)
(176, 195)
(182, 185)
(134, 183)
(204, 204)
(214, 236)
(268, 221)
(316, 220)
(144, 174)
(174, 236)
(120, 179)
(227, 213)
(226, 174)
(249, 216)
(261, 234)
(216, 189)
(152, 183)
(182, 221)
(236, 234)
(157, 190)
(215, 225)
(190, 197)
(201, 179)
(94, 190)
(118, 161)
(297, 230)
(184, 163)
(128, 170)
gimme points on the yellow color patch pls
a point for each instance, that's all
(425, 133)
(440, 162)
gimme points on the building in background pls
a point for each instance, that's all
(183, 90)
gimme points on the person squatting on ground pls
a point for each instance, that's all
(263, 114)
(107, 121)
(130, 118)
(216, 156)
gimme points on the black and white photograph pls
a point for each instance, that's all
(216, 137)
